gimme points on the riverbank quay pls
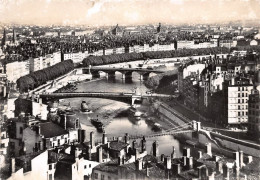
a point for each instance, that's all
(219, 141)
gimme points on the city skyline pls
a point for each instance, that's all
(127, 12)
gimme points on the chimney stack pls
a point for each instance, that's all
(225, 172)
(236, 157)
(186, 152)
(136, 153)
(176, 168)
(208, 146)
(100, 155)
(184, 159)
(162, 157)
(190, 162)
(216, 158)
(134, 144)
(92, 140)
(249, 159)
(89, 152)
(143, 145)
(139, 164)
(241, 159)
(219, 167)
(168, 162)
(173, 154)
(199, 154)
(119, 160)
(155, 149)
(104, 138)
(13, 165)
(126, 138)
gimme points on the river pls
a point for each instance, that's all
(108, 111)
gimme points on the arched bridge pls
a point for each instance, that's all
(126, 97)
(126, 72)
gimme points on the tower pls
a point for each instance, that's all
(159, 28)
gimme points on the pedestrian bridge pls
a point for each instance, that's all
(126, 72)
(126, 97)
(190, 127)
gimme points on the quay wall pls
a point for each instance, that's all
(225, 144)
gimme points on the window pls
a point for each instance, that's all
(242, 94)
(21, 130)
(85, 167)
(238, 88)
(238, 106)
(238, 113)
(89, 166)
(50, 167)
(102, 177)
(50, 176)
(238, 94)
(242, 100)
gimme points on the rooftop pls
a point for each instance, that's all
(50, 129)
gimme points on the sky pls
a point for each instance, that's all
(126, 12)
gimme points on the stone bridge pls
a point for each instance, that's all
(126, 72)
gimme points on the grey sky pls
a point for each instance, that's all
(110, 12)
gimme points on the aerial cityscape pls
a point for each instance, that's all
(129, 89)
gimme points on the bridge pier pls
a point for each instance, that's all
(111, 75)
(144, 77)
(95, 74)
(126, 75)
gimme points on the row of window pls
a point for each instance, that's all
(242, 89)
(102, 177)
(242, 95)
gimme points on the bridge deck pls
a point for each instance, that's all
(125, 69)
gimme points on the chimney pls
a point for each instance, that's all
(123, 159)
(13, 165)
(208, 146)
(126, 138)
(219, 167)
(236, 157)
(190, 162)
(249, 159)
(89, 152)
(186, 152)
(139, 164)
(176, 168)
(225, 172)
(41, 145)
(168, 162)
(143, 145)
(236, 169)
(198, 126)
(77, 152)
(100, 155)
(199, 154)
(194, 125)
(134, 144)
(155, 149)
(104, 138)
(241, 159)
(119, 161)
(92, 140)
(216, 158)
(136, 153)
(65, 122)
(184, 160)
(81, 135)
(147, 171)
(162, 157)
(173, 154)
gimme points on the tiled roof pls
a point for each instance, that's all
(49, 129)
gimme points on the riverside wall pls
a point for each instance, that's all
(220, 143)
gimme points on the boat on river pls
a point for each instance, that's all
(135, 113)
(98, 124)
(157, 127)
(84, 107)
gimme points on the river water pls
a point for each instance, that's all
(107, 110)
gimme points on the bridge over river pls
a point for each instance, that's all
(126, 97)
(126, 72)
(182, 129)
